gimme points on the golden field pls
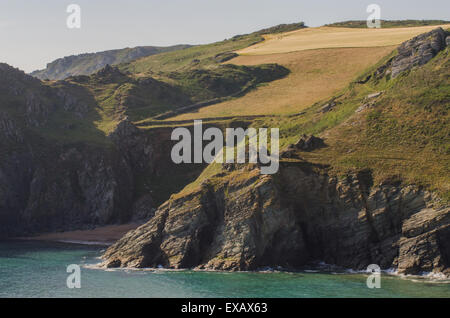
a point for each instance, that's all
(322, 62)
(315, 75)
(332, 37)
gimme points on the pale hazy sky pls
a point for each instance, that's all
(34, 32)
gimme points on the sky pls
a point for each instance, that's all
(34, 32)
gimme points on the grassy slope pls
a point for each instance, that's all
(66, 127)
(143, 90)
(315, 75)
(142, 98)
(406, 136)
(192, 58)
(179, 82)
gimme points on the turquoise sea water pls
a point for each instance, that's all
(38, 269)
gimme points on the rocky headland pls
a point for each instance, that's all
(240, 220)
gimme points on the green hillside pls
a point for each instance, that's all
(389, 23)
(203, 56)
(401, 135)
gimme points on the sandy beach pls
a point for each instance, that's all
(105, 235)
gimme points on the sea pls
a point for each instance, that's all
(39, 269)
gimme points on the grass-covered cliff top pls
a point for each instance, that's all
(403, 135)
(389, 23)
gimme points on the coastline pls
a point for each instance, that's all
(425, 277)
(108, 235)
(104, 235)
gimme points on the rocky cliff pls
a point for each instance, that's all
(58, 172)
(61, 187)
(296, 218)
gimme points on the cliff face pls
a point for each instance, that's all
(60, 187)
(63, 187)
(297, 217)
(89, 63)
(46, 185)
(59, 172)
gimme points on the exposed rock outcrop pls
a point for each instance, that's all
(415, 52)
(374, 95)
(369, 102)
(327, 107)
(305, 143)
(109, 74)
(418, 51)
(292, 219)
(223, 57)
(309, 143)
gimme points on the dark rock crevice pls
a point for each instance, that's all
(198, 250)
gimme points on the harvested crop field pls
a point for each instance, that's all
(315, 75)
(332, 37)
